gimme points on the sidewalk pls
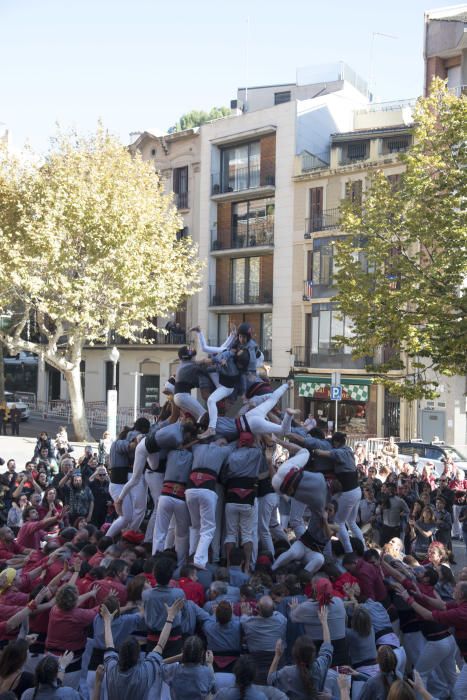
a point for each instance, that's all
(22, 448)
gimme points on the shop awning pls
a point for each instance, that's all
(313, 387)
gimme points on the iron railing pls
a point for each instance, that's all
(237, 294)
(181, 200)
(157, 336)
(236, 180)
(332, 358)
(322, 221)
(259, 234)
(312, 162)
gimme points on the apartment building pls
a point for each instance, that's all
(379, 133)
(445, 47)
(246, 202)
(146, 367)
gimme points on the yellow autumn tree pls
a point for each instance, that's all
(88, 243)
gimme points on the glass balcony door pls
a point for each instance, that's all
(241, 167)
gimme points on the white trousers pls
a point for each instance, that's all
(268, 521)
(133, 508)
(189, 404)
(169, 506)
(239, 520)
(257, 420)
(346, 515)
(201, 505)
(456, 525)
(154, 481)
(313, 560)
(296, 522)
(220, 393)
(439, 656)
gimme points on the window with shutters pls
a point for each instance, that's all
(180, 187)
(354, 151)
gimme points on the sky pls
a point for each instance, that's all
(140, 64)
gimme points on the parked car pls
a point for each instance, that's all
(434, 452)
(11, 399)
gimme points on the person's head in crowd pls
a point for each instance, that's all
(6, 534)
(129, 654)
(350, 562)
(222, 574)
(217, 588)
(265, 606)
(193, 650)
(80, 523)
(13, 657)
(68, 534)
(278, 592)
(67, 597)
(303, 656)
(247, 593)
(104, 543)
(35, 500)
(189, 571)
(361, 622)
(163, 569)
(118, 570)
(427, 515)
(129, 556)
(44, 452)
(22, 501)
(372, 556)
(49, 497)
(437, 554)
(7, 579)
(440, 503)
(30, 513)
(66, 465)
(357, 546)
(136, 587)
(77, 480)
(88, 551)
(244, 671)
(11, 466)
(395, 548)
(387, 662)
(368, 493)
(224, 612)
(401, 690)
(338, 440)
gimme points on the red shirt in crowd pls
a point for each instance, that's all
(68, 629)
(29, 534)
(370, 581)
(9, 549)
(455, 616)
(105, 586)
(193, 591)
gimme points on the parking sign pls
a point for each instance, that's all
(336, 393)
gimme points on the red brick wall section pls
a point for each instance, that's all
(224, 224)
(222, 280)
(268, 159)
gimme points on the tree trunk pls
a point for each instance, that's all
(2, 375)
(78, 411)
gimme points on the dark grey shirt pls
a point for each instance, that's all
(307, 614)
(178, 466)
(137, 681)
(288, 678)
(243, 462)
(155, 612)
(261, 633)
(189, 681)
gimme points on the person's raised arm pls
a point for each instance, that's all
(289, 446)
(323, 618)
(107, 618)
(278, 651)
(100, 673)
(18, 490)
(172, 612)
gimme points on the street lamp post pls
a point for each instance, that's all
(136, 374)
(112, 396)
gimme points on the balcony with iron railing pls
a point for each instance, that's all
(181, 200)
(240, 294)
(154, 336)
(240, 180)
(259, 234)
(332, 358)
(322, 221)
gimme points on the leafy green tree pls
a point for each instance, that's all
(87, 244)
(402, 268)
(198, 117)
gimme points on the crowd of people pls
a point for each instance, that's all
(242, 558)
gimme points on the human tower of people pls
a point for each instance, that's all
(250, 579)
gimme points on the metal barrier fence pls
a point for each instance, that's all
(96, 412)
